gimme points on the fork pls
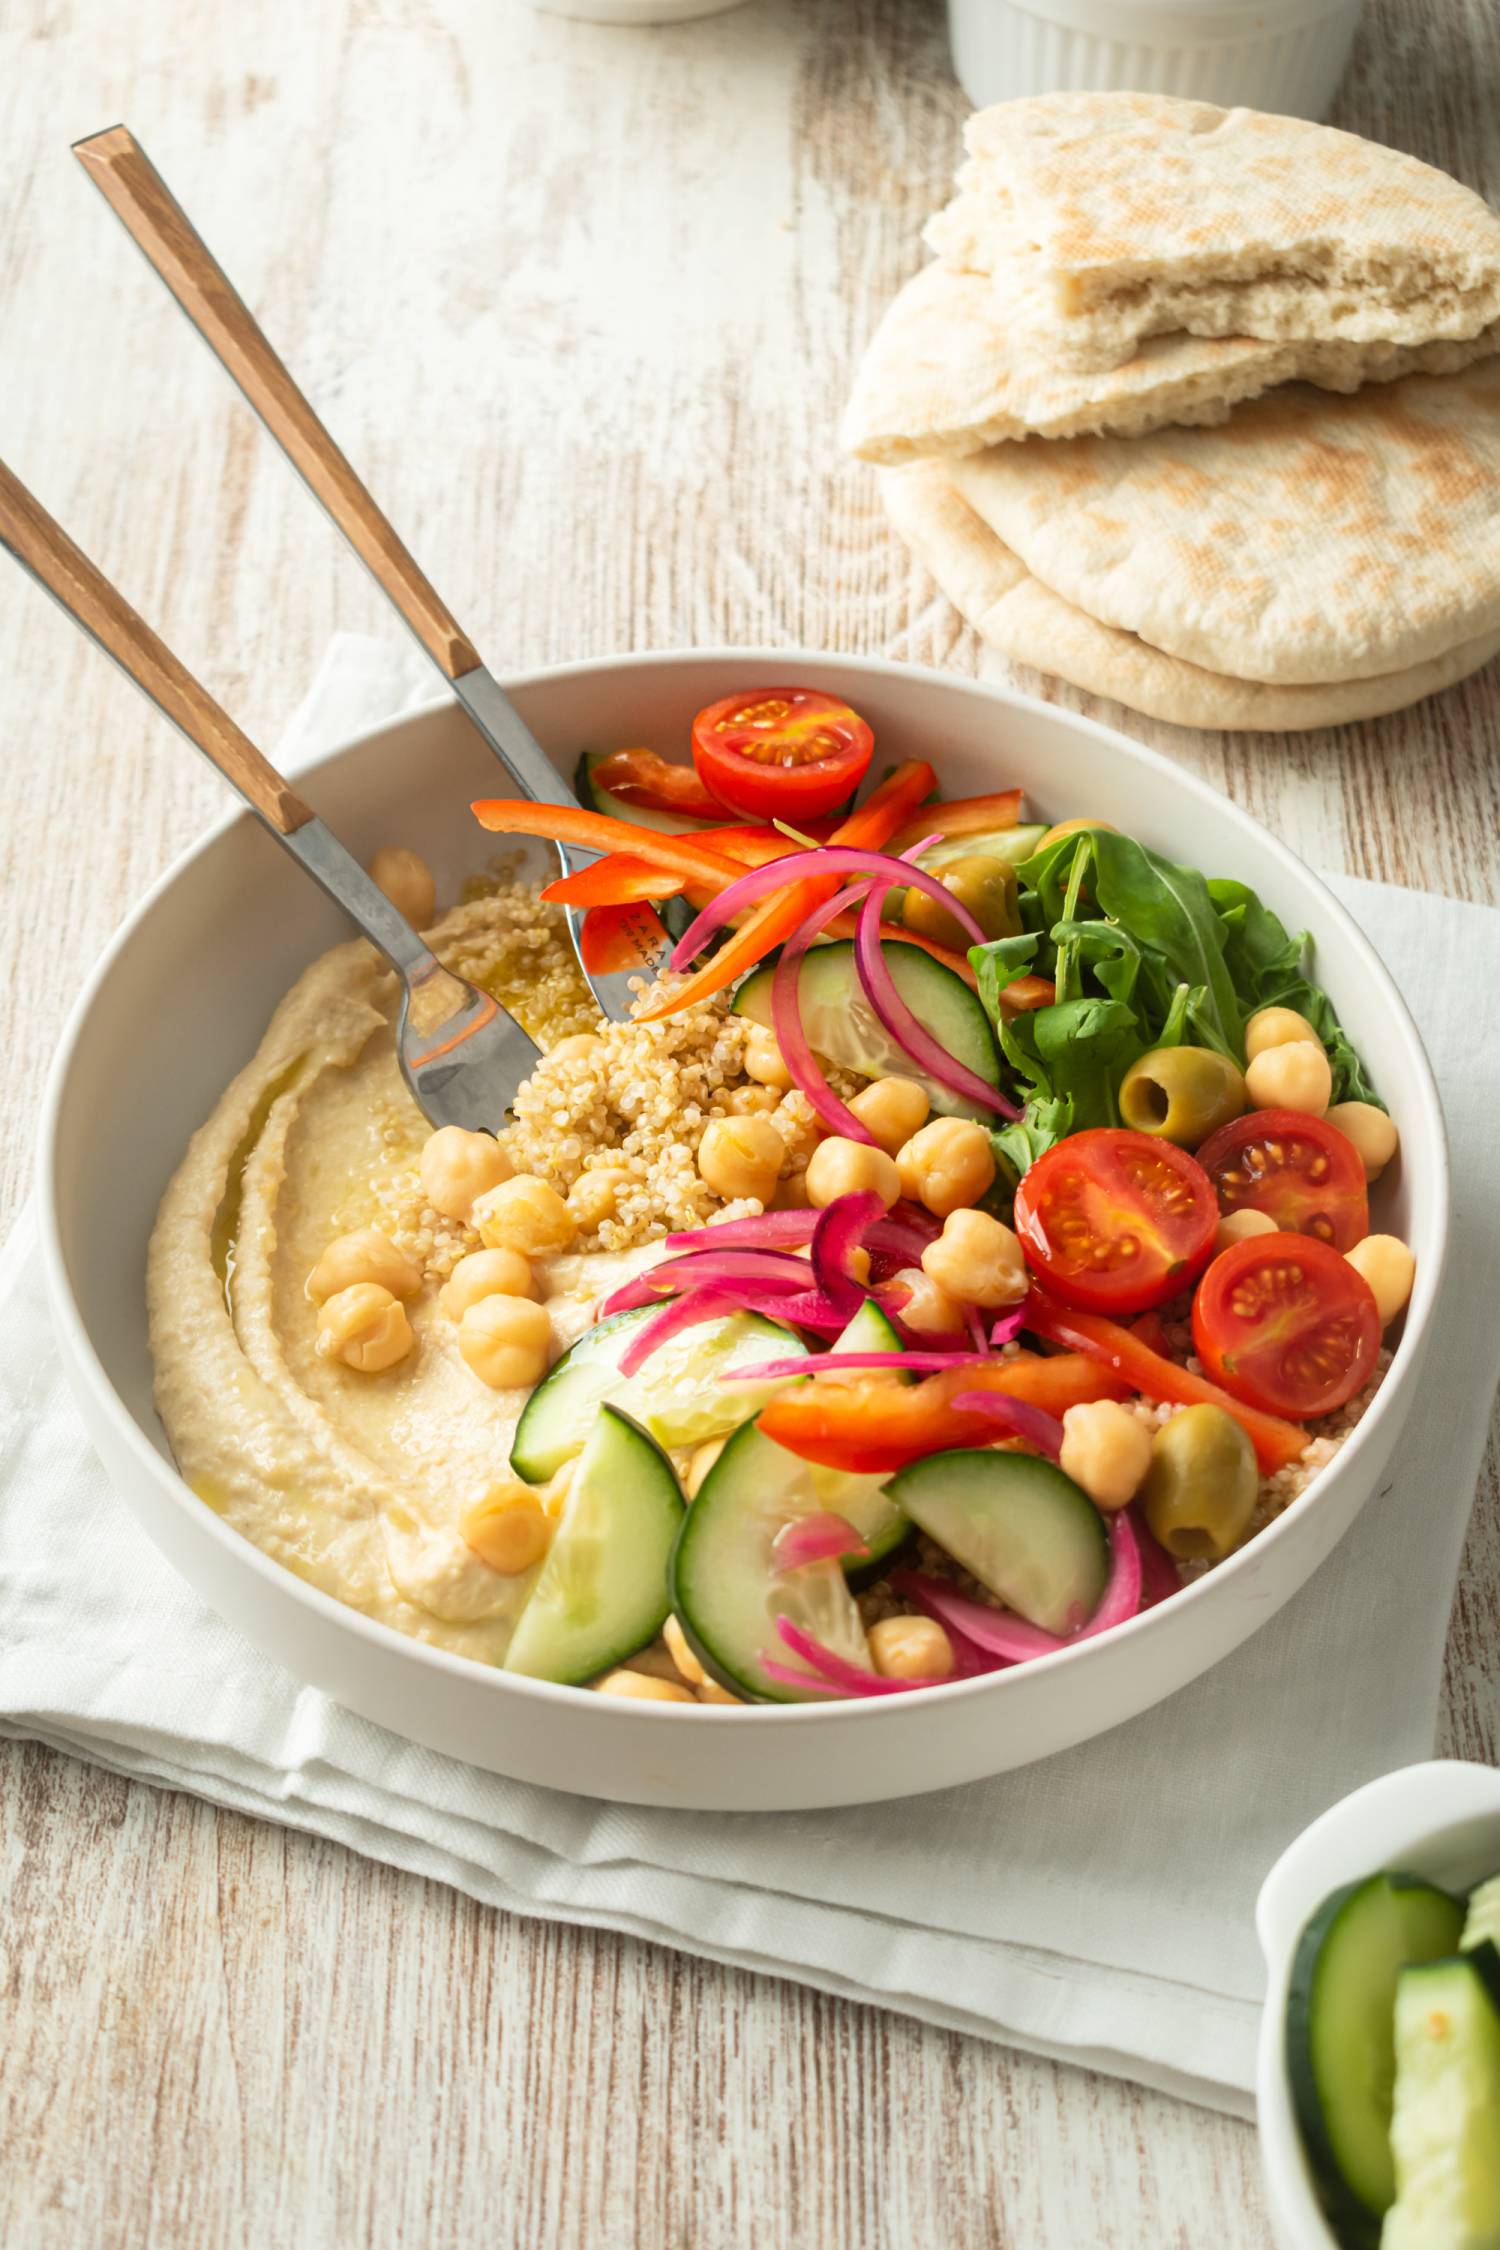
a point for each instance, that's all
(460, 1053)
(160, 228)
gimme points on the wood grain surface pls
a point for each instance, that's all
(581, 305)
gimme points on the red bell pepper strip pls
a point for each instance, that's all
(640, 777)
(1023, 994)
(618, 880)
(965, 816)
(608, 940)
(778, 916)
(1129, 1356)
(876, 1428)
(570, 824)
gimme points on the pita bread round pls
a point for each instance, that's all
(947, 372)
(1138, 214)
(1022, 619)
(1309, 539)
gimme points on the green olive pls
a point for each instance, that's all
(1201, 1487)
(1181, 1094)
(985, 885)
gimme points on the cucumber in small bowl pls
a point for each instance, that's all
(1340, 2046)
(843, 1028)
(601, 1594)
(726, 1589)
(679, 1396)
(1018, 1525)
(1445, 2127)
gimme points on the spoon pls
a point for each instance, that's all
(460, 1053)
(156, 222)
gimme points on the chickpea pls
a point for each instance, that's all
(741, 1156)
(682, 1656)
(457, 1167)
(508, 1530)
(977, 1259)
(485, 1273)
(595, 1196)
(946, 1165)
(928, 1310)
(911, 1648)
(839, 1167)
(1372, 1132)
(365, 1327)
(1238, 1226)
(524, 1214)
(754, 1101)
(699, 1465)
(1107, 1450)
(892, 1109)
(636, 1687)
(505, 1341)
(1293, 1076)
(1276, 1027)
(1389, 1267)
(764, 1059)
(406, 880)
(555, 1498)
(367, 1255)
(581, 1046)
(709, 1691)
(791, 1193)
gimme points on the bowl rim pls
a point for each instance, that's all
(843, 1711)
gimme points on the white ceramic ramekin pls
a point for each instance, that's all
(1440, 1820)
(180, 998)
(1281, 55)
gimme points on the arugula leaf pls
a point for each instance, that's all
(1075, 1052)
(1266, 963)
(998, 964)
(1016, 1147)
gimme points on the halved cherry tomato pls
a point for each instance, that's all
(875, 1428)
(640, 777)
(781, 752)
(1303, 1173)
(1115, 1221)
(1286, 1324)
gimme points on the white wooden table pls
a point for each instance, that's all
(582, 304)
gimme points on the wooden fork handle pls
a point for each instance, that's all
(45, 549)
(157, 223)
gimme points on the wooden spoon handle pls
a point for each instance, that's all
(45, 549)
(157, 223)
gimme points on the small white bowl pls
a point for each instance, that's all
(181, 997)
(1440, 1820)
(1286, 56)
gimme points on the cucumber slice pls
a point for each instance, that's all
(1445, 2131)
(1027, 1532)
(725, 1589)
(595, 799)
(602, 1592)
(1011, 845)
(1483, 1918)
(679, 1396)
(1340, 2050)
(843, 1027)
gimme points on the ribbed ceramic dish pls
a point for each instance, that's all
(177, 1005)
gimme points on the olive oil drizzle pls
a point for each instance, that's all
(224, 1234)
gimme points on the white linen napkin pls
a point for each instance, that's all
(1096, 1907)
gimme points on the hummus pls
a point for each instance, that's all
(356, 1482)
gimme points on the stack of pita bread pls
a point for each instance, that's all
(1200, 409)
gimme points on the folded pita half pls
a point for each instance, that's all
(1141, 214)
(1015, 614)
(946, 372)
(1309, 539)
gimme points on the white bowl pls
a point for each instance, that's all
(1440, 1820)
(1281, 55)
(178, 1003)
